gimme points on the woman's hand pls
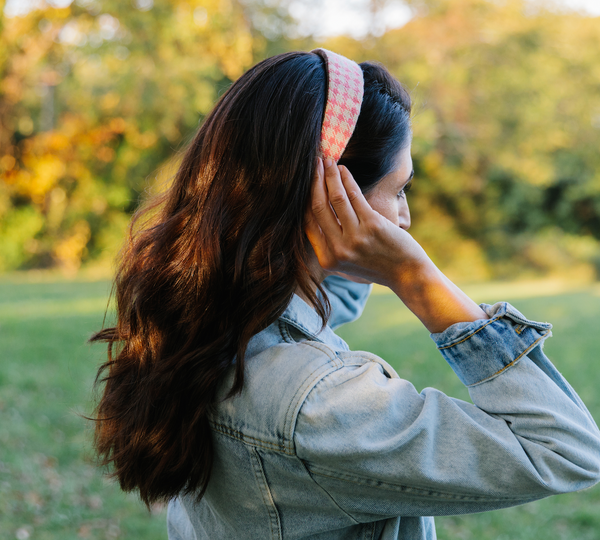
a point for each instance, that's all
(348, 236)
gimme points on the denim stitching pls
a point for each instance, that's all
(469, 336)
(263, 486)
(532, 346)
(286, 446)
(345, 477)
(519, 318)
(519, 329)
(285, 334)
(247, 439)
(367, 358)
(331, 498)
(305, 386)
(301, 328)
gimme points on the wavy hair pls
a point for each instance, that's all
(219, 262)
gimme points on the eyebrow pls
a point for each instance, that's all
(412, 174)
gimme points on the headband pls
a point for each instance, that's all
(345, 89)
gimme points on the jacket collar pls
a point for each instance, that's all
(305, 319)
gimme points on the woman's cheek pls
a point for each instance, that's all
(384, 206)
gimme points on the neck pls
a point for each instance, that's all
(315, 270)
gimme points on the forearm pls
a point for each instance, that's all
(432, 297)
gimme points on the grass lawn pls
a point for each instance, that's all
(50, 488)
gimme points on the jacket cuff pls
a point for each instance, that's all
(478, 351)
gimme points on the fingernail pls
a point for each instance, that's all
(328, 162)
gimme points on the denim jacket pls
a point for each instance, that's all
(328, 443)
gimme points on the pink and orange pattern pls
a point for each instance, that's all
(344, 99)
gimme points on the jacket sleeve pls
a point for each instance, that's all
(347, 299)
(381, 449)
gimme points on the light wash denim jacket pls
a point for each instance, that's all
(328, 443)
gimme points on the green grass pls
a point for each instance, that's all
(49, 485)
(51, 489)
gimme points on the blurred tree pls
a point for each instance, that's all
(506, 131)
(96, 96)
(93, 98)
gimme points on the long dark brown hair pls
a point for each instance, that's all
(220, 261)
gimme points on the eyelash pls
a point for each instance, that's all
(405, 189)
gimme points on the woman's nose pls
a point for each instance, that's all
(404, 217)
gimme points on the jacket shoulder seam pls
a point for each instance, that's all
(295, 404)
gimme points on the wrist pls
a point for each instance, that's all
(433, 298)
(412, 280)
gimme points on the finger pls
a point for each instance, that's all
(360, 206)
(338, 196)
(320, 206)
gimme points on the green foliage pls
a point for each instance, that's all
(18, 229)
(94, 98)
(97, 98)
(506, 125)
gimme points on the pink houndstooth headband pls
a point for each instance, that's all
(344, 98)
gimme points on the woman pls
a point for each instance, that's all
(229, 395)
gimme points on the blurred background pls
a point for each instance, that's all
(98, 99)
